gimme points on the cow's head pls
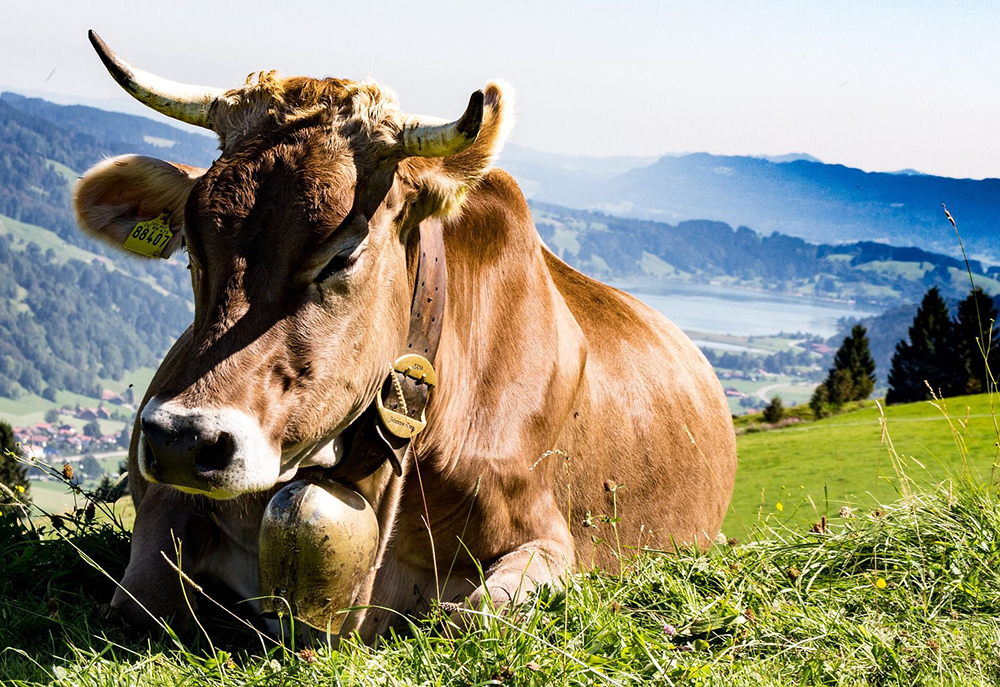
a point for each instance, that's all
(300, 238)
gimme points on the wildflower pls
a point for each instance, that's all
(57, 521)
(701, 645)
(733, 541)
(878, 513)
(308, 655)
(669, 630)
(846, 512)
(609, 485)
(720, 539)
(67, 471)
(615, 607)
(880, 583)
(749, 615)
(532, 666)
(20, 489)
(779, 506)
(89, 511)
(793, 573)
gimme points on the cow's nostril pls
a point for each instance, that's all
(149, 454)
(214, 455)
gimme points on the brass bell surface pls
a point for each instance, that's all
(318, 541)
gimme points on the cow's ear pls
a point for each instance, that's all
(444, 181)
(116, 194)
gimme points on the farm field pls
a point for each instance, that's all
(814, 468)
(31, 408)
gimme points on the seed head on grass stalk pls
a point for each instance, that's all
(992, 384)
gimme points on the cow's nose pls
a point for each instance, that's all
(176, 452)
(219, 452)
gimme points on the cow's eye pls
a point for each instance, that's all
(350, 242)
(338, 263)
(343, 261)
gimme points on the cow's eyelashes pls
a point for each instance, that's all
(338, 263)
(352, 237)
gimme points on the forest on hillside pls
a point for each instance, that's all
(869, 273)
(34, 191)
(66, 324)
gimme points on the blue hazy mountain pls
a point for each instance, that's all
(800, 197)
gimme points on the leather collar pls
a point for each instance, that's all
(369, 443)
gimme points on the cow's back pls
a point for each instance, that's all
(651, 443)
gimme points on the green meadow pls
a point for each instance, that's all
(814, 468)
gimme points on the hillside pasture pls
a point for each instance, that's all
(814, 468)
(24, 234)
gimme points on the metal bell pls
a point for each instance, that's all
(318, 541)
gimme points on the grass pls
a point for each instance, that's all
(68, 174)
(902, 589)
(908, 595)
(31, 408)
(796, 393)
(53, 497)
(814, 468)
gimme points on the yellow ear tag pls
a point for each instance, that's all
(149, 238)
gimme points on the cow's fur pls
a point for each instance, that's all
(561, 400)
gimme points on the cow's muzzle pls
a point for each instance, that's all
(219, 452)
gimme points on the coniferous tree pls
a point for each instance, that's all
(852, 376)
(840, 387)
(820, 401)
(977, 343)
(12, 473)
(775, 410)
(854, 356)
(928, 356)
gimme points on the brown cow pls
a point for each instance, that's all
(559, 400)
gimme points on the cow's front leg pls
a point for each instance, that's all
(151, 588)
(513, 576)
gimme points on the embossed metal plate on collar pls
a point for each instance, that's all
(417, 368)
(420, 370)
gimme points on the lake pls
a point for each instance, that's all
(730, 310)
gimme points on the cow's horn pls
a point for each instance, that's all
(181, 101)
(432, 137)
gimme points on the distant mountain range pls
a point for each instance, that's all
(118, 133)
(795, 195)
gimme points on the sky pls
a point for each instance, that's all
(878, 85)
